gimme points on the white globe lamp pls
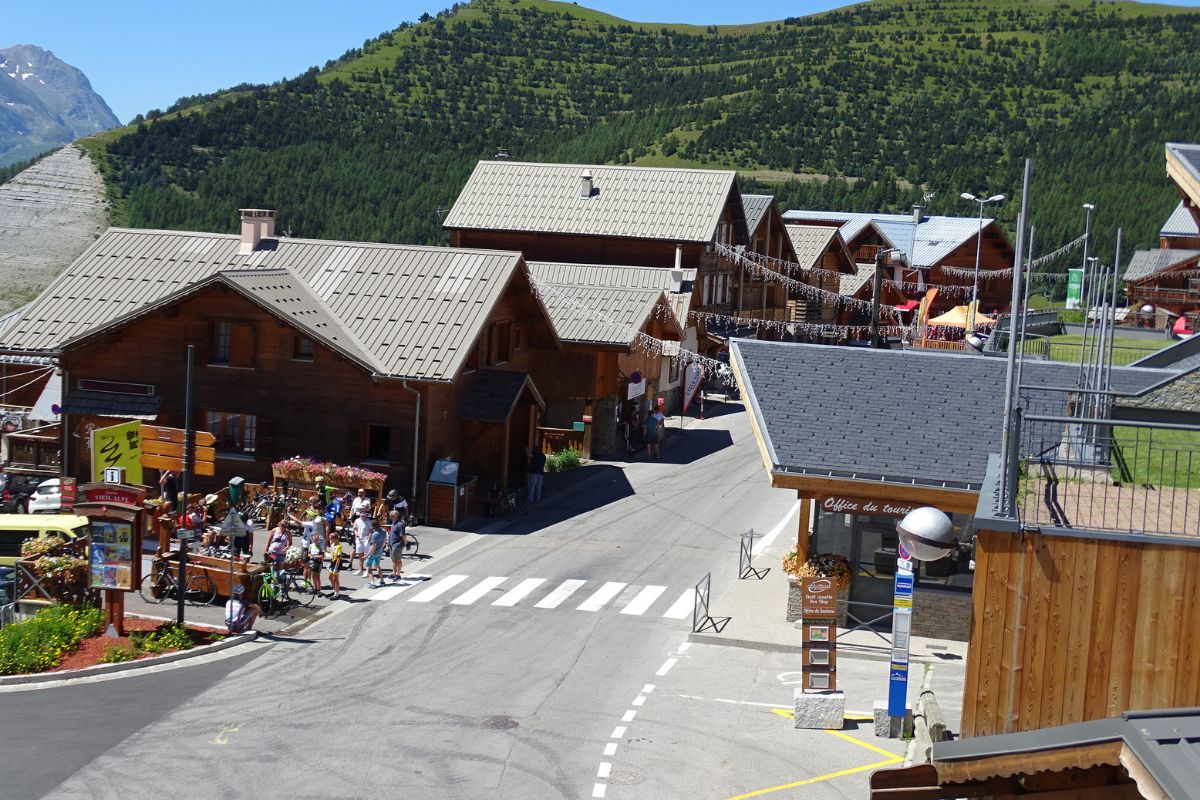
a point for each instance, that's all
(926, 533)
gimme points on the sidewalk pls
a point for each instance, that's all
(757, 609)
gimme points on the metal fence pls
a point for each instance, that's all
(1110, 475)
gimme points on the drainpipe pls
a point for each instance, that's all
(416, 438)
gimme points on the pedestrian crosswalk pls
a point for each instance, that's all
(569, 594)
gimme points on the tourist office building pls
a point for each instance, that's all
(863, 436)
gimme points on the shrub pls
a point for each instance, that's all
(115, 654)
(162, 640)
(40, 643)
(563, 460)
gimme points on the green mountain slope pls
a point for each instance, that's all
(889, 99)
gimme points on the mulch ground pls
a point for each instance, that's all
(92, 648)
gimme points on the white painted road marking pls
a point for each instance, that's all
(618, 732)
(441, 587)
(605, 770)
(598, 790)
(645, 598)
(519, 592)
(610, 749)
(601, 597)
(555, 598)
(666, 667)
(477, 591)
(629, 715)
(682, 608)
(765, 541)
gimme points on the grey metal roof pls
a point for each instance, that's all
(628, 309)
(1183, 355)
(923, 244)
(610, 276)
(811, 242)
(493, 395)
(109, 404)
(591, 283)
(1180, 223)
(681, 205)
(850, 284)
(1148, 263)
(11, 358)
(414, 312)
(808, 403)
(756, 206)
(1165, 741)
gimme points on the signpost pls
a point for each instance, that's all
(117, 446)
(902, 601)
(818, 610)
(162, 448)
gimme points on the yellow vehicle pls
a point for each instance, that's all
(16, 528)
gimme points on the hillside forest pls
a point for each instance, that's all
(873, 107)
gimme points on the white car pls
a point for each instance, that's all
(47, 499)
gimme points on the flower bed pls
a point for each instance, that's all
(300, 468)
(43, 641)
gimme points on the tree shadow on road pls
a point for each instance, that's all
(605, 484)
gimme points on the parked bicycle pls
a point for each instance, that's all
(158, 588)
(514, 501)
(281, 588)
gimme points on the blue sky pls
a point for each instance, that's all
(143, 54)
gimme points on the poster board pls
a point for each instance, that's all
(114, 546)
(118, 446)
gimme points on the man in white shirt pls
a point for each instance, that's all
(361, 503)
(362, 541)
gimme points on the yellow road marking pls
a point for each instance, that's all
(792, 715)
(892, 758)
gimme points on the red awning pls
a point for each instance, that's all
(908, 305)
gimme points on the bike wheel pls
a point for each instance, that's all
(412, 546)
(201, 591)
(304, 589)
(154, 583)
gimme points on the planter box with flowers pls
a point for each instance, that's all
(53, 570)
(305, 470)
(819, 565)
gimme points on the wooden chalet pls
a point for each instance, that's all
(648, 216)
(820, 247)
(757, 297)
(923, 247)
(604, 370)
(390, 356)
(1168, 278)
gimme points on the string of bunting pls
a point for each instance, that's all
(810, 292)
(40, 374)
(650, 345)
(993, 274)
(809, 328)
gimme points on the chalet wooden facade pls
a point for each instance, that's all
(1168, 278)
(926, 251)
(822, 249)
(390, 356)
(652, 217)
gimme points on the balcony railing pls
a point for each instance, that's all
(1142, 294)
(1106, 475)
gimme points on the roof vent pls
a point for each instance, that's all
(585, 184)
(918, 214)
(257, 224)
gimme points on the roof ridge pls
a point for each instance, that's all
(623, 167)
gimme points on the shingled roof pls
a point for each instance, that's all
(625, 296)
(1148, 263)
(679, 205)
(398, 310)
(805, 401)
(812, 241)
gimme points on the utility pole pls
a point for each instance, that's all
(876, 290)
(188, 454)
(1010, 435)
(1087, 236)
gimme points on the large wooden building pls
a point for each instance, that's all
(644, 216)
(385, 355)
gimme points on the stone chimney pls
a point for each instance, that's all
(585, 184)
(918, 214)
(257, 224)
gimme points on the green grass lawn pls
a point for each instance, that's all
(1125, 350)
(1160, 457)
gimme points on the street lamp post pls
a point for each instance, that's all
(982, 201)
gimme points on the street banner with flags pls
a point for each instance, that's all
(693, 374)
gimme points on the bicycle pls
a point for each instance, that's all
(200, 589)
(514, 501)
(278, 588)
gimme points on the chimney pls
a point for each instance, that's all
(257, 224)
(585, 184)
(918, 214)
(502, 154)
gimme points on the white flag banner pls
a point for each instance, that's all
(692, 376)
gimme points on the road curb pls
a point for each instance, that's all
(125, 666)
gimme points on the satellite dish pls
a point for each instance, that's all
(926, 533)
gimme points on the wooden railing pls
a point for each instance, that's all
(1140, 294)
(34, 451)
(555, 440)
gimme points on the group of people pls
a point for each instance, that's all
(653, 430)
(319, 547)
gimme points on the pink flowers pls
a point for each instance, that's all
(302, 468)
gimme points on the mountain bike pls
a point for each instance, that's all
(199, 590)
(281, 588)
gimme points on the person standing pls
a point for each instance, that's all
(396, 502)
(360, 503)
(362, 540)
(335, 567)
(168, 486)
(537, 472)
(314, 556)
(654, 432)
(397, 538)
(375, 545)
(278, 542)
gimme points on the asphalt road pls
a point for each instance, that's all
(505, 675)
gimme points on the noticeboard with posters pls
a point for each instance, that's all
(112, 553)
